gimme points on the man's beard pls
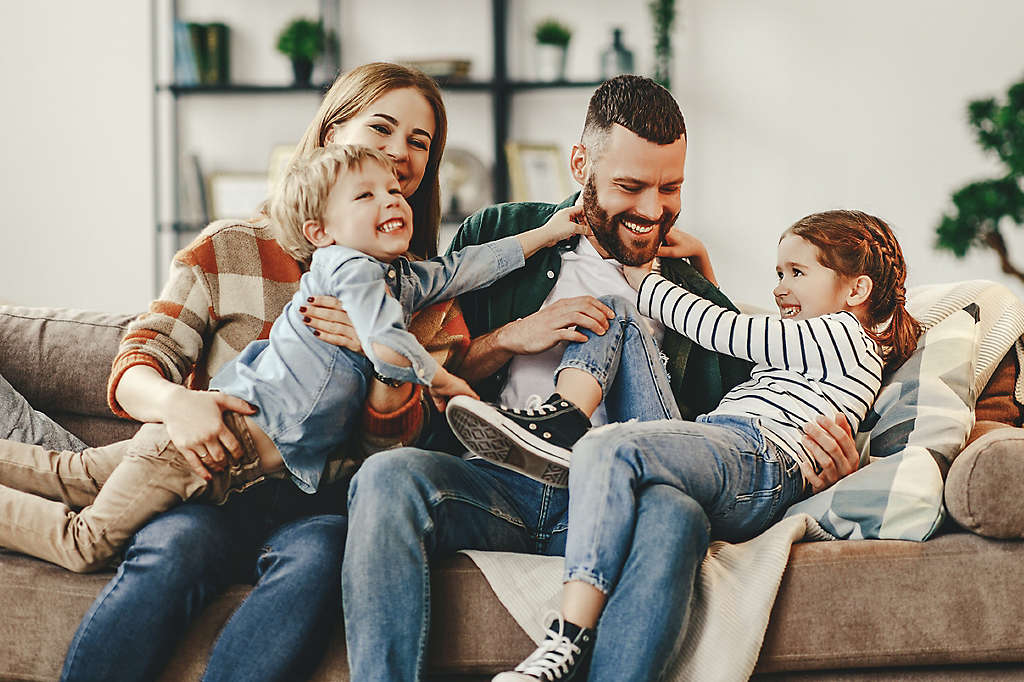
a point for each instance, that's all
(636, 251)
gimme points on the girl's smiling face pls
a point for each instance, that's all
(807, 288)
(399, 123)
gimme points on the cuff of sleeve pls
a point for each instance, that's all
(402, 424)
(121, 365)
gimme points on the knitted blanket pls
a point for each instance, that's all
(737, 583)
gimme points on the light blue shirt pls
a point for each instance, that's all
(309, 392)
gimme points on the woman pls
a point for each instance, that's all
(224, 291)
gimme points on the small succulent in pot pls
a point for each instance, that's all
(302, 41)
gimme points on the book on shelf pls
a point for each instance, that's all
(205, 53)
(186, 71)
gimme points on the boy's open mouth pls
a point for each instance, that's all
(391, 225)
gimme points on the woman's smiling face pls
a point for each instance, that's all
(399, 123)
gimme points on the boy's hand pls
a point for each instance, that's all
(446, 385)
(635, 273)
(566, 223)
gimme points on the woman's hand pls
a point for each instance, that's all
(830, 442)
(329, 321)
(446, 385)
(195, 423)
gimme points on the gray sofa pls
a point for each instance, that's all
(949, 608)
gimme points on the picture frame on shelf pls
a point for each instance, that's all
(236, 195)
(536, 172)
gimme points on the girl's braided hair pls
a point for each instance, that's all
(853, 243)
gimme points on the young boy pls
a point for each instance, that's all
(344, 203)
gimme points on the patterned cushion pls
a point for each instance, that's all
(918, 425)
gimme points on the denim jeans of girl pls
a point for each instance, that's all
(735, 483)
(409, 507)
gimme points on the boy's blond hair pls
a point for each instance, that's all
(302, 191)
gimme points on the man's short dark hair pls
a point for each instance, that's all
(637, 104)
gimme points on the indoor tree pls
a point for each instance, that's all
(982, 207)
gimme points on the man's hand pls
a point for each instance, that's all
(446, 385)
(195, 423)
(329, 321)
(540, 331)
(831, 444)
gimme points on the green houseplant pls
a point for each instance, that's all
(663, 15)
(302, 41)
(984, 207)
(552, 38)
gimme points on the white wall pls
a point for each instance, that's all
(792, 106)
(76, 181)
(796, 106)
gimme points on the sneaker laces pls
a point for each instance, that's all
(555, 655)
(535, 406)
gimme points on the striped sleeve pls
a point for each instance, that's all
(817, 347)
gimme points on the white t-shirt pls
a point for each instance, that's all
(584, 273)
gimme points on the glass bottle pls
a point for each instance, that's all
(616, 59)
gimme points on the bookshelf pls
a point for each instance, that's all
(500, 90)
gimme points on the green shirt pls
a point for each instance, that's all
(699, 377)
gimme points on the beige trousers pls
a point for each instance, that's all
(117, 488)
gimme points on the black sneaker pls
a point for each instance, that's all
(563, 655)
(535, 441)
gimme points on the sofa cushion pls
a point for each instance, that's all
(917, 425)
(977, 494)
(59, 359)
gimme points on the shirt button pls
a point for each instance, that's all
(420, 372)
(551, 274)
(391, 274)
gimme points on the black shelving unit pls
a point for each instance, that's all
(500, 89)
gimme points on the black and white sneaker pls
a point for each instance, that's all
(536, 441)
(563, 655)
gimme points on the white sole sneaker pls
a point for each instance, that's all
(488, 433)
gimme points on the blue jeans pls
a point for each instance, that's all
(178, 563)
(408, 507)
(21, 423)
(626, 362)
(729, 482)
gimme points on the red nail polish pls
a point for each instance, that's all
(305, 319)
(302, 308)
(309, 300)
(316, 333)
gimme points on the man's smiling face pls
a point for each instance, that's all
(631, 194)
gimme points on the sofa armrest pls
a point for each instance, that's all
(984, 483)
(59, 359)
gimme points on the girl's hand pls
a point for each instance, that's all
(329, 321)
(680, 244)
(195, 423)
(635, 273)
(446, 385)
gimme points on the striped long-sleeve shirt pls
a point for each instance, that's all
(802, 368)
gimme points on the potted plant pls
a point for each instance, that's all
(302, 41)
(552, 48)
(663, 13)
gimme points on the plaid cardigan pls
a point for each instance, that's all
(226, 289)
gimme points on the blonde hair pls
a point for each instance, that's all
(302, 192)
(355, 90)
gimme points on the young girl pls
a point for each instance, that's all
(841, 278)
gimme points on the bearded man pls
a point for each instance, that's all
(409, 506)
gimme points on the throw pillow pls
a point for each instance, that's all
(918, 424)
